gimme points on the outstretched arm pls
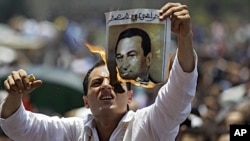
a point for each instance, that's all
(17, 84)
(173, 102)
(181, 26)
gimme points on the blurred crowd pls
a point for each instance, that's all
(223, 51)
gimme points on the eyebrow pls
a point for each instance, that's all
(99, 77)
(131, 51)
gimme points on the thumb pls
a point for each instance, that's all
(34, 85)
(37, 83)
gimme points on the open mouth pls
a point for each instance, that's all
(106, 94)
(107, 97)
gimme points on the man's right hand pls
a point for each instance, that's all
(18, 83)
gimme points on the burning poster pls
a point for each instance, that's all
(137, 46)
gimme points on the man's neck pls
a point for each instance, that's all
(106, 126)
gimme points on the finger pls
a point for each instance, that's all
(28, 81)
(181, 13)
(185, 19)
(32, 86)
(180, 16)
(24, 76)
(35, 84)
(17, 80)
(168, 6)
(11, 85)
(6, 85)
(172, 10)
(22, 73)
(180, 19)
(31, 83)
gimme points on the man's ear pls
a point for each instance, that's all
(132, 103)
(85, 99)
(130, 96)
(149, 58)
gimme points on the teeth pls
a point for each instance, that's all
(106, 97)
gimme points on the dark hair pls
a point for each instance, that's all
(86, 78)
(130, 32)
(197, 132)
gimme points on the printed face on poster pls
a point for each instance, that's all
(137, 46)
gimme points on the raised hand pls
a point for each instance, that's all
(180, 18)
(18, 82)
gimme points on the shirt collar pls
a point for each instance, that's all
(128, 116)
(90, 124)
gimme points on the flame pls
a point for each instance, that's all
(148, 85)
(101, 51)
(97, 49)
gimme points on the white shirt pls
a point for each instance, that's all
(158, 122)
